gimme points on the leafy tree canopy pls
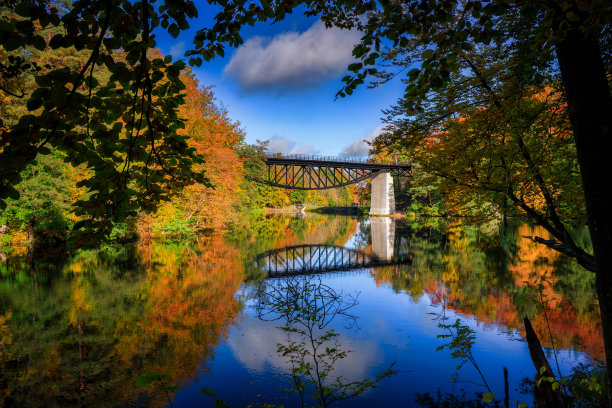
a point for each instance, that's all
(124, 127)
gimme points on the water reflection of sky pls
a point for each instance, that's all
(392, 328)
(82, 332)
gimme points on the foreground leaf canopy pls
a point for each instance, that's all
(115, 113)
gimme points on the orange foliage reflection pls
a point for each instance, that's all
(460, 278)
(164, 316)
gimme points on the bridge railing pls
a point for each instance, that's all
(314, 157)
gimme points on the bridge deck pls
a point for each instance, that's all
(331, 161)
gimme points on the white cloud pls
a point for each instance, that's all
(359, 147)
(279, 144)
(178, 50)
(292, 61)
(304, 149)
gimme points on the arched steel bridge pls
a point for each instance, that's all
(309, 172)
(309, 259)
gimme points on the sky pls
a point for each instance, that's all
(281, 86)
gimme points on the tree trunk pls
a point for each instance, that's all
(3, 232)
(543, 393)
(590, 110)
(506, 387)
(30, 255)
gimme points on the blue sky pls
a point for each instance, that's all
(281, 83)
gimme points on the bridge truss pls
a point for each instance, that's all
(306, 172)
(308, 259)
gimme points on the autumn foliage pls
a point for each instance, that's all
(460, 277)
(87, 340)
(216, 137)
(211, 206)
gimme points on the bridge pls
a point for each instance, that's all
(310, 259)
(311, 172)
(324, 258)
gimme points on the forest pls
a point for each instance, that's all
(43, 213)
(505, 112)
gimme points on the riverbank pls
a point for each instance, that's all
(327, 210)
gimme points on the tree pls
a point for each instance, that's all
(481, 155)
(132, 168)
(81, 334)
(46, 191)
(307, 308)
(526, 38)
(562, 35)
(125, 128)
(217, 139)
(298, 197)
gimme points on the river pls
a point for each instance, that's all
(377, 302)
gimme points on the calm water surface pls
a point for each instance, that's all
(242, 315)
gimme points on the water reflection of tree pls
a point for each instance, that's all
(306, 307)
(477, 274)
(285, 231)
(363, 237)
(83, 336)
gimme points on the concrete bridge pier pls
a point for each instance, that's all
(383, 237)
(383, 195)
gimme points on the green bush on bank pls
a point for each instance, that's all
(175, 229)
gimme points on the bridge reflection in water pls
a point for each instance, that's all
(321, 258)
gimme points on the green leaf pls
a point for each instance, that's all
(488, 397)
(39, 43)
(5, 26)
(34, 103)
(220, 404)
(413, 73)
(207, 391)
(174, 30)
(56, 41)
(427, 54)
(147, 379)
(571, 16)
(11, 192)
(44, 150)
(80, 224)
(23, 9)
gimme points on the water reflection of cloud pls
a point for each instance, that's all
(256, 345)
